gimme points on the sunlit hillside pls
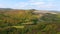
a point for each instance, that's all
(13, 21)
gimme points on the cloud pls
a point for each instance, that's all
(1, 5)
(34, 4)
(49, 5)
(31, 4)
(37, 3)
(20, 5)
(40, 0)
(42, 3)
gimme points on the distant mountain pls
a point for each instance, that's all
(5, 9)
(35, 11)
(55, 11)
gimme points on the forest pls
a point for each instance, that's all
(14, 21)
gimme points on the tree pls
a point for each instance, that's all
(50, 18)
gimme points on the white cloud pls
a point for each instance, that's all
(1, 5)
(34, 4)
(49, 5)
(20, 5)
(35, 0)
(37, 3)
(50, 0)
(42, 4)
(40, 0)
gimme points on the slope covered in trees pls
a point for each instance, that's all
(27, 22)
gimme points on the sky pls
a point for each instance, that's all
(31, 4)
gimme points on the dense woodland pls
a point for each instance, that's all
(27, 22)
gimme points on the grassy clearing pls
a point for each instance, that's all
(18, 26)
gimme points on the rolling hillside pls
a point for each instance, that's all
(13, 21)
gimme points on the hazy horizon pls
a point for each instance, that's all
(31, 4)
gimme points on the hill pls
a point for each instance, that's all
(14, 21)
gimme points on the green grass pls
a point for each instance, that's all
(58, 32)
(18, 26)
